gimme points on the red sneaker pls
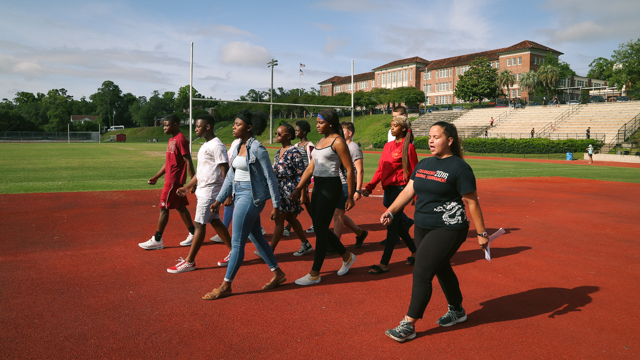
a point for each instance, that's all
(225, 261)
(181, 267)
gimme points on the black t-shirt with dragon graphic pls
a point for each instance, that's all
(439, 185)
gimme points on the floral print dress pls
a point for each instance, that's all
(288, 168)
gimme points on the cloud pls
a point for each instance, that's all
(351, 5)
(325, 27)
(222, 31)
(586, 21)
(244, 54)
(333, 45)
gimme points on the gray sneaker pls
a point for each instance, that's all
(404, 331)
(452, 317)
(305, 248)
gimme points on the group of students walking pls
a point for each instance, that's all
(244, 179)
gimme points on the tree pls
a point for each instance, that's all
(182, 101)
(626, 68)
(58, 105)
(106, 100)
(528, 82)
(563, 67)
(407, 95)
(548, 76)
(477, 83)
(506, 79)
(381, 96)
(601, 69)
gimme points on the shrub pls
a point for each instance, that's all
(528, 146)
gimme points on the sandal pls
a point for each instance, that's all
(216, 294)
(274, 284)
(377, 270)
(410, 260)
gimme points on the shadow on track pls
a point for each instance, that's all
(527, 304)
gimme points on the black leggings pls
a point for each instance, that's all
(327, 192)
(396, 228)
(435, 249)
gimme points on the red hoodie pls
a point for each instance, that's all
(390, 166)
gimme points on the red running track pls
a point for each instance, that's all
(563, 283)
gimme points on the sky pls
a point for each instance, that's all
(145, 45)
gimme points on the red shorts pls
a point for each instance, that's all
(169, 199)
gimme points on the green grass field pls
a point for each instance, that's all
(61, 167)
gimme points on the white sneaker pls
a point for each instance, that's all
(346, 265)
(310, 230)
(152, 244)
(188, 241)
(286, 232)
(264, 232)
(308, 280)
(216, 239)
(181, 267)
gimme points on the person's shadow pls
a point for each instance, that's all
(527, 304)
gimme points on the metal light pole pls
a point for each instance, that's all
(352, 91)
(271, 64)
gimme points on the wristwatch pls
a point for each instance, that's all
(484, 234)
(359, 192)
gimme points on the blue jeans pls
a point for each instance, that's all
(246, 223)
(227, 216)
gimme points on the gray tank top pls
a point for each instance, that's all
(326, 162)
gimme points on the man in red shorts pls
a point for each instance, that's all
(175, 168)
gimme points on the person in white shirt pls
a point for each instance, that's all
(213, 165)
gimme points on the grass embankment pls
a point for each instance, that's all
(61, 167)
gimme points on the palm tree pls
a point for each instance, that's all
(528, 82)
(548, 75)
(506, 78)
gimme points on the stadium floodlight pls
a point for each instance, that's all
(273, 63)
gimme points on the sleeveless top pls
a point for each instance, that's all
(241, 171)
(326, 162)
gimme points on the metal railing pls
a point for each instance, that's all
(73, 136)
(552, 136)
(550, 127)
(625, 131)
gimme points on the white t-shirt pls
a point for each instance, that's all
(209, 174)
(356, 154)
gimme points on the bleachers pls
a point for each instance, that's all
(519, 122)
(474, 122)
(421, 125)
(605, 119)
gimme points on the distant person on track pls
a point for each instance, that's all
(288, 165)
(441, 183)
(395, 167)
(213, 165)
(491, 123)
(590, 152)
(589, 132)
(329, 158)
(252, 182)
(177, 163)
(533, 132)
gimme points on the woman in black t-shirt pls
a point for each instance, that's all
(441, 183)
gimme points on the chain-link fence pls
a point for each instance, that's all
(35, 136)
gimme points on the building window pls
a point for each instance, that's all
(450, 86)
(520, 60)
(393, 77)
(428, 75)
(411, 75)
(498, 65)
(518, 92)
(508, 62)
